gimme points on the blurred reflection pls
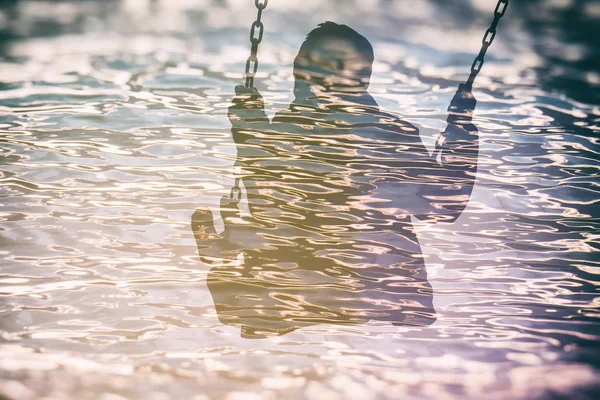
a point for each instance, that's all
(331, 185)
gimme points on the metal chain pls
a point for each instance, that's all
(255, 39)
(488, 38)
(256, 35)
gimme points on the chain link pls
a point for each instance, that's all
(256, 35)
(487, 40)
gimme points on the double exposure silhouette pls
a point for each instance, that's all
(331, 185)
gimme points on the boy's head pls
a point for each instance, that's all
(335, 57)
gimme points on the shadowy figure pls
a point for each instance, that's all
(331, 185)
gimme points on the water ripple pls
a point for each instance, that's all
(114, 131)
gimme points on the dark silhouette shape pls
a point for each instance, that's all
(331, 184)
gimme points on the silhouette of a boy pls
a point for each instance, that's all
(331, 184)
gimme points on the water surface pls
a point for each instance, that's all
(114, 131)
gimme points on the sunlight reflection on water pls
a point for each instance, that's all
(114, 131)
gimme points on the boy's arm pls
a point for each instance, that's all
(456, 153)
(247, 117)
(436, 187)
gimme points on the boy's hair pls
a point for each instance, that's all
(330, 29)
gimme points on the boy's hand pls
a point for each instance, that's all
(246, 113)
(247, 98)
(463, 103)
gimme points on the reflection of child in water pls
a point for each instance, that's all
(331, 184)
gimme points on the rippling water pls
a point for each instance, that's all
(114, 131)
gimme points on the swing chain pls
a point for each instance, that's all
(256, 35)
(487, 40)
